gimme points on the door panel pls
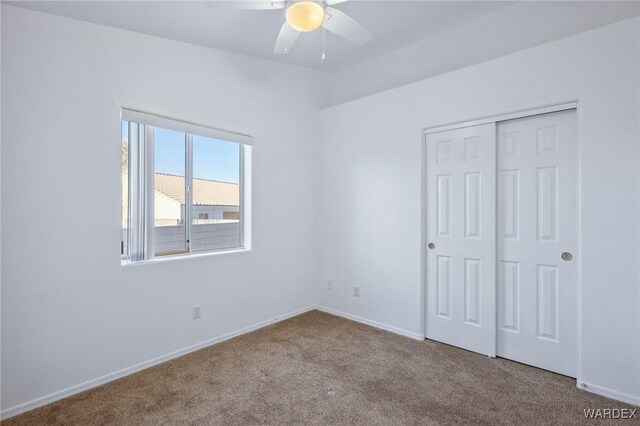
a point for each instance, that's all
(461, 167)
(537, 222)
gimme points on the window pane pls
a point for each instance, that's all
(124, 202)
(216, 194)
(169, 192)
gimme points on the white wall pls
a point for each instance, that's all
(371, 175)
(70, 312)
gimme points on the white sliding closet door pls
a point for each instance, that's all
(461, 237)
(537, 236)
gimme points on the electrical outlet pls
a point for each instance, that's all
(356, 291)
(197, 313)
(329, 285)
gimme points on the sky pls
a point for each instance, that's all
(212, 158)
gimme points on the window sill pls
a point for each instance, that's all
(174, 257)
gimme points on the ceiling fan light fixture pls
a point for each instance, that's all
(305, 15)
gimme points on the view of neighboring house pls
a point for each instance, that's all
(214, 201)
(216, 214)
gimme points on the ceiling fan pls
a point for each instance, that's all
(304, 16)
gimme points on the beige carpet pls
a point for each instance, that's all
(320, 369)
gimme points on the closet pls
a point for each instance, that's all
(502, 238)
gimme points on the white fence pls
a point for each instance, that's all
(212, 236)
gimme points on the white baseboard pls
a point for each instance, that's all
(39, 402)
(372, 323)
(609, 393)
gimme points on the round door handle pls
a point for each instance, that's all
(431, 246)
(566, 256)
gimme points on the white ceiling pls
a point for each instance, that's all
(394, 24)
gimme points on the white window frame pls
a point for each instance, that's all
(140, 233)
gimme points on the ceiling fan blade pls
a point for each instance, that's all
(346, 27)
(332, 2)
(286, 39)
(246, 5)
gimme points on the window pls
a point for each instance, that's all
(124, 201)
(184, 188)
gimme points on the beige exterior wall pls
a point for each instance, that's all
(167, 210)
